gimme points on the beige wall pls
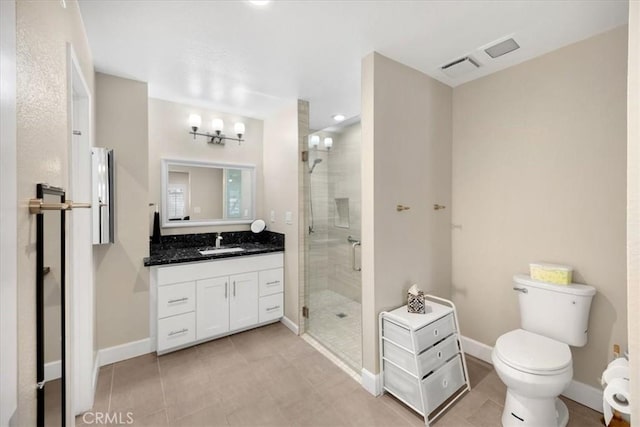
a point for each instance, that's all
(169, 138)
(539, 175)
(122, 281)
(281, 167)
(43, 137)
(406, 146)
(633, 201)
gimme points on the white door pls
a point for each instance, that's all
(212, 296)
(8, 218)
(80, 281)
(243, 308)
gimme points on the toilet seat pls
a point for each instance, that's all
(533, 353)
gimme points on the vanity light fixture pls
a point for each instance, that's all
(217, 125)
(328, 142)
(259, 2)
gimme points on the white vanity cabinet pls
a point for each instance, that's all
(203, 300)
(213, 307)
(421, 358)
(243, 304)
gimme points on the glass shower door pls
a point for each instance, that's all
(333, 283)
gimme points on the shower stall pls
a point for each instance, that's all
(333, 283)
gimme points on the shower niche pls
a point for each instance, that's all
(341, 217)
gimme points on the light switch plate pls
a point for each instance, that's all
(288, 217)
(272, 216)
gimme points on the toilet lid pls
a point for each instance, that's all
(529, 352)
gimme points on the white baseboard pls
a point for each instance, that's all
(371, 382)
(52, 370)
(126, 351)
(289, 324)
(580, 392)
(476, 349)
(585, 395)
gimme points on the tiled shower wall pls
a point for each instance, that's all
(336, 177)
(344, 182)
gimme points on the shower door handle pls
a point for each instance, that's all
(353, 256)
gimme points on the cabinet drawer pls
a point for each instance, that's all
(176, 331)
(271, 307)
(437, 387)
(429, 360)
(403, 385)
(425, 336)
(271, 281)
(441, 384)
(176, 299)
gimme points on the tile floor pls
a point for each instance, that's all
(342, 335)
(270, 377)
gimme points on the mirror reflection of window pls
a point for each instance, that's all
(234, 193)
(178, 196)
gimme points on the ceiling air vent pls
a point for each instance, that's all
(460, 67)
(502, 48)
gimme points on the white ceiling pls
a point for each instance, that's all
(244, 59)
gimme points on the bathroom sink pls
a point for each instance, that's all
(219, 251)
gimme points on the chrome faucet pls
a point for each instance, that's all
(218, 240)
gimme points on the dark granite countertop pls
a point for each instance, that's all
(181, 248)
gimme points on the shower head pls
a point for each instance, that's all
(313, 166)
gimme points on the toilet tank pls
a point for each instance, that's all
(560, 312)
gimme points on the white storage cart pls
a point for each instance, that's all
(421, 359)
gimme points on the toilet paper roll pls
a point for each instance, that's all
(615, 372)
(619, 361)
(616, 397)
(618, 368)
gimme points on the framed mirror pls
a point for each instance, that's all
(50, 309)
(196, 193)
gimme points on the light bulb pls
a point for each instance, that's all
(239, 128)
(338, 117)
(314, 141)
(217, 125)
(195, 121)
(328, 143)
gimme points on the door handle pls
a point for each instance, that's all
(234, 288)
(353, 256)
(226, 286)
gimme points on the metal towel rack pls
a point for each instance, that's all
(38, 206)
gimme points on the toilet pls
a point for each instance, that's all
(534, 362)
